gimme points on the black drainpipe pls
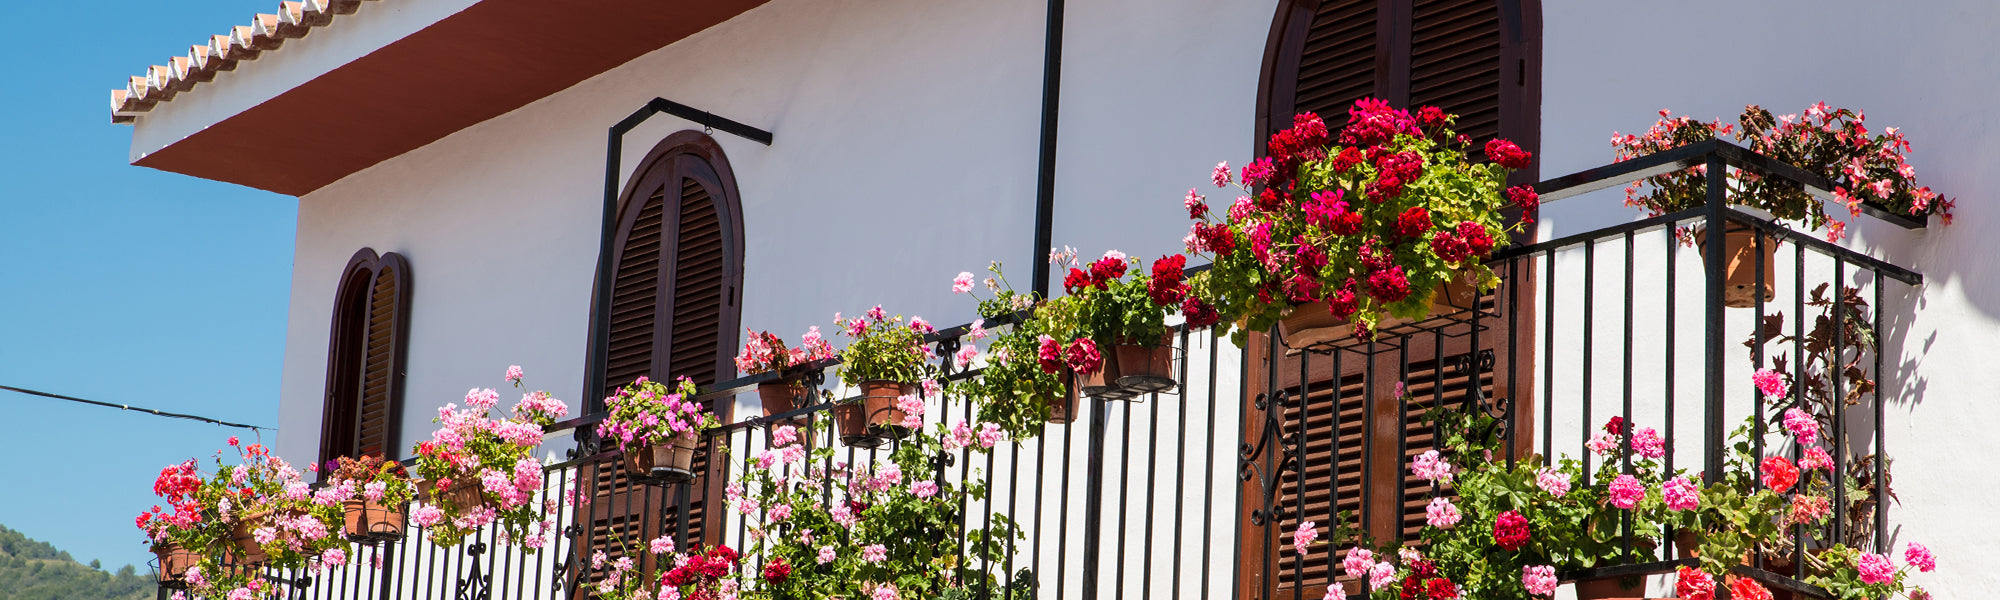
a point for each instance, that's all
(1045, 181)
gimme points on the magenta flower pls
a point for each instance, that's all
(1771, 383)
(1647, 442)
(1920, 557)
(1802, 426)
(1875, 569)
(1221, 174)
(1680, 494)
(966, 355)
(1626, 492)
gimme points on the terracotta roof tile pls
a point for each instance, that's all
(243, 42)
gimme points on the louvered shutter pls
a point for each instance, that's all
(1454, 54)
(674, 312)
(365, 358)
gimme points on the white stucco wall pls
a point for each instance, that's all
(905, 152)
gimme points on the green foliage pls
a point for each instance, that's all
(884, 349)
(33, 570)
(1014, 390)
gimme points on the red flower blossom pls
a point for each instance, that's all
(1050, 354)
(1744, 588)
(1347, 158)
(1507, 154)
(1615, 426)
(1083, 356)
(1256, 173)
(1430, 116)
(1694, 584)
(1325, 208)
(1343, 303)
(1076, 281)
(1476, 238)
(1448, 246)
(1779, 474)
(1105, 270)
(777, 571)
(1371, 122)
(1442, 589)
(1218, 238)
(1413, 222)
(1310, 128)
(1302, 289)
(1525, 198)
(1199, 313)
(1389, 285)
(1510, 530)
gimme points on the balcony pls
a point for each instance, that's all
(1197, 491)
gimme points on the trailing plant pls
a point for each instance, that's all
(1830, 142)
(884, 348)
(1015, 388)
(696, 574)
(765, 352)
(1373, 220)
(1114, 310)
(646, 413)
(472, 449)
(892, 529)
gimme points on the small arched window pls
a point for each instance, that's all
(675, 309)
(365, 358)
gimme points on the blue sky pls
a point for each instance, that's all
(121, 283)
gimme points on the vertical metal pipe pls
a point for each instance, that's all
(1838, 397)
(1548, 350)
(1713, 350)
(1093, 500)
(1208, 472)
(1669, 333)
(1881, 426)
(1589, 323)
(1045, 180)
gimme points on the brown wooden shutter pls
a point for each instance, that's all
(1337, 65)
(1455, 63)
(365, 358)
(674, 314)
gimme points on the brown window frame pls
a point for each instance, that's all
(355, 300)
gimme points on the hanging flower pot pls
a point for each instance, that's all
(669, 462)
(1145, 368)
(1309, 325)
(1103, 383)
(174, 561)
(245, 536)
(781, 397)
(851, 418)
(1062, 408)
(1611, 588)
(371, 521)
(1740, 258)
(885, 419)
(462, 496)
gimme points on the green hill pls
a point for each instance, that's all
(32, 570)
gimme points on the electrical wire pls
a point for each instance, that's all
(151, 411)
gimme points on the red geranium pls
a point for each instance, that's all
(1744, 588)
(1507, 154)
(1510, 530)
(1779, 474)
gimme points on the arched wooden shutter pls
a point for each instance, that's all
(365, 358)
(675, 310)
(1478, 59)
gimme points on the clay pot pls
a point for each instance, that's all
(1062, 408)
(245, 536)
(369, 521)
(874, 419)
(1611, 588)
(1146, 368)
(1103, 383)
(174, 561)
(1739, 266)
(781, 397)
(670, 462)
(1312, 325)
(463, 495)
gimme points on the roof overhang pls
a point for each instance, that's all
(321, 116)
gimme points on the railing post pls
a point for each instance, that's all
(1712, 361)
(1093, 499)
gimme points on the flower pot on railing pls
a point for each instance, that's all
(245, 536)
(373, 521)
(1740, 257)
(1062, 408)
(174, 561)
(1102, 384)
(781, 397)
(874, 418)
(1310, 325)
(462, 495)
(669, 462)
(1611, 588)
(1146, 368)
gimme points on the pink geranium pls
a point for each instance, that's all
(1626, 492)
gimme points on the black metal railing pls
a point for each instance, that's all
(1197, 492)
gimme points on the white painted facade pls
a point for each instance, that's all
(905, 152)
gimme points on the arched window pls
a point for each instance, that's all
(365, 358)
(675, 309)
(1480, 60)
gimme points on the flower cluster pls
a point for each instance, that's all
(766, 352)
(1371, 221)
(884, 347)
(470, 448)
(260, 503)
(1026, 373)
(647, 412)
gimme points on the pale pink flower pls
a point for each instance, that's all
(875, 553)
(781, 512)
(1647, 442)
(1539, 579)
(1358, 562)
(482, 398)
(1603, 443)
(826, 554)
(1770, 382)
(1916, 593)
(884, 592)
(1553, 482)
(1875, 568)
(1221, 174)
(1920, 557)
(989, 434)
(962, 283)
(514, 373)
(427, 515)
(662, 545)
(1381, 575)
(785, 435)
(1442, 514)
(1626, 492)
(1302, 539)
(924, 489)
(1680, 494)
(1802, 426)
(1815, 458)
(966, 355)
(1430, 466)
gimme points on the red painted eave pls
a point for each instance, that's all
(482, 62)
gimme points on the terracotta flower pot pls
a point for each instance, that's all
(1310, 325)
(670, 462)
(244, 533)
(1611, 588)
(463, 495)
(874, 419)
(370, 521)
(1062, 408)
(1146, 368)
(1102, 384)
(174, 561)
(781, 397)
(1739, 264)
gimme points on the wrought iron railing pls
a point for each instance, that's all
(1196, 492)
